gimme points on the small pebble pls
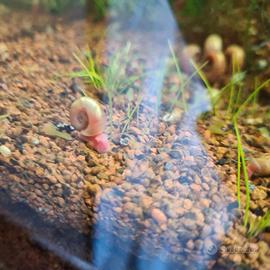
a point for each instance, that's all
(258, 194)
(124, 141)
(175, 154)
(158, 216)
(35, 141)
(5, 151)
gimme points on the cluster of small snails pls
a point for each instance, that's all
(87, 117)
(220, 61)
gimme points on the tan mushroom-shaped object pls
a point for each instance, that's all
(236, 56)
(86, 115)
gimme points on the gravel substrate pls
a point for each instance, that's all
(160, 192)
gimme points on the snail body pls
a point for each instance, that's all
(86, 115)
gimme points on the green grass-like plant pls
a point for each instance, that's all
(100, 8)
(184, 82)
(209, 89)
(180, 75)
(258, 225)
(241, 161)
(111, 79)
(130, 113)
(234, 109)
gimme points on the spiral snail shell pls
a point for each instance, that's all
(217, 63)
(88, 118)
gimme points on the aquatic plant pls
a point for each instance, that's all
(180, 76)
(59, 5)
(111, 79)
(192, 7)
(209, 89)
(188, 55)
(241, 161)
(258, 224)
(100, 7)
(88, 118)
(130, 114)
(234, 108)
(90, 72)
(241, 164)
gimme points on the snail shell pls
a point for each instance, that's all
(213, 43)
(190, 52)
(217, 65)
(260, 166)
(236, 55)
(87, 116)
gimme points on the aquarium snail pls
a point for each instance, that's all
(218, 62)
(236, 56)
(190, 52)
(88, 118)
(259, 166)
(217, 65)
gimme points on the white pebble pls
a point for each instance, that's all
(5, 151)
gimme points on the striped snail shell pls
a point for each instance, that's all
(87, 117)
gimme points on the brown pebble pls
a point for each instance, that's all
(60, 201)
(146, 201)
(236, 258)
(204, 203)
(190, 244)
(195, 187)
(158, 216)
(187, 204)
(258, 194)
